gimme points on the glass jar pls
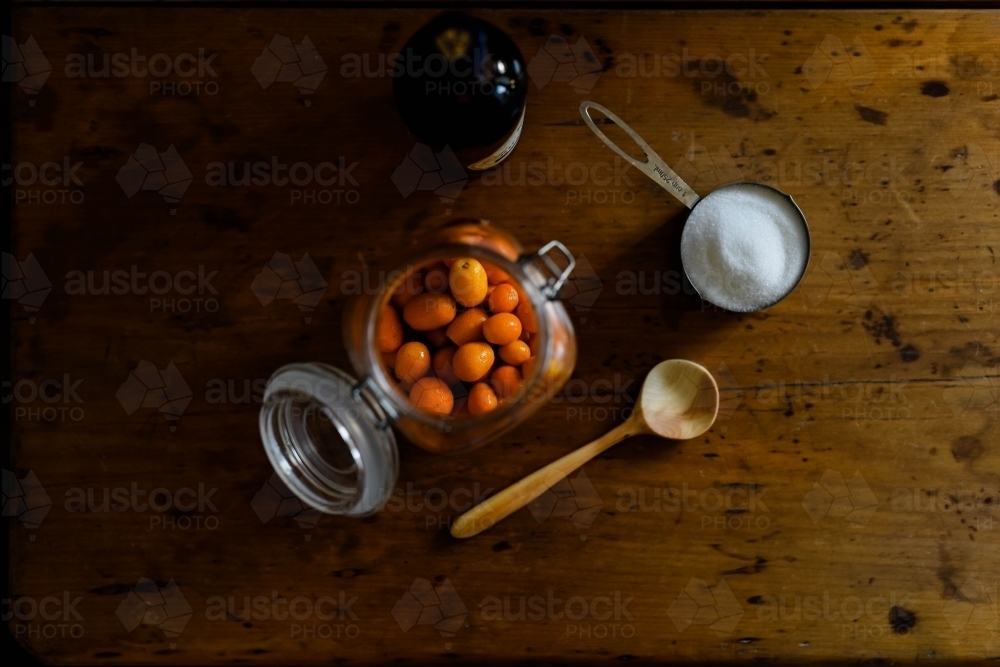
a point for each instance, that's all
(329, 434)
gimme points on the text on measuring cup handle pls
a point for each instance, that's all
(669, 180)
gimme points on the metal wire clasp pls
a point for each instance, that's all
(391, 416)
(558, 277)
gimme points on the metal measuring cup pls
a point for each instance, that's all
(657, 169)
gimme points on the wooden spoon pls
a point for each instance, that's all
(678, 400)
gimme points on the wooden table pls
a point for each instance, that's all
(843, 507)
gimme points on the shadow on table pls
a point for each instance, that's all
(654, 267)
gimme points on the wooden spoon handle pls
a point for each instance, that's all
(517, 495)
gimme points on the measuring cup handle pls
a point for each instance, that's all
(653, 166)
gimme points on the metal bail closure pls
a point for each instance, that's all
(558, 276)
(391, 416)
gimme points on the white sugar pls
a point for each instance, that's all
(744, 247)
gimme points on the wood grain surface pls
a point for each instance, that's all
(842, 508)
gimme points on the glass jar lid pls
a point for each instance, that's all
(329, 439)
